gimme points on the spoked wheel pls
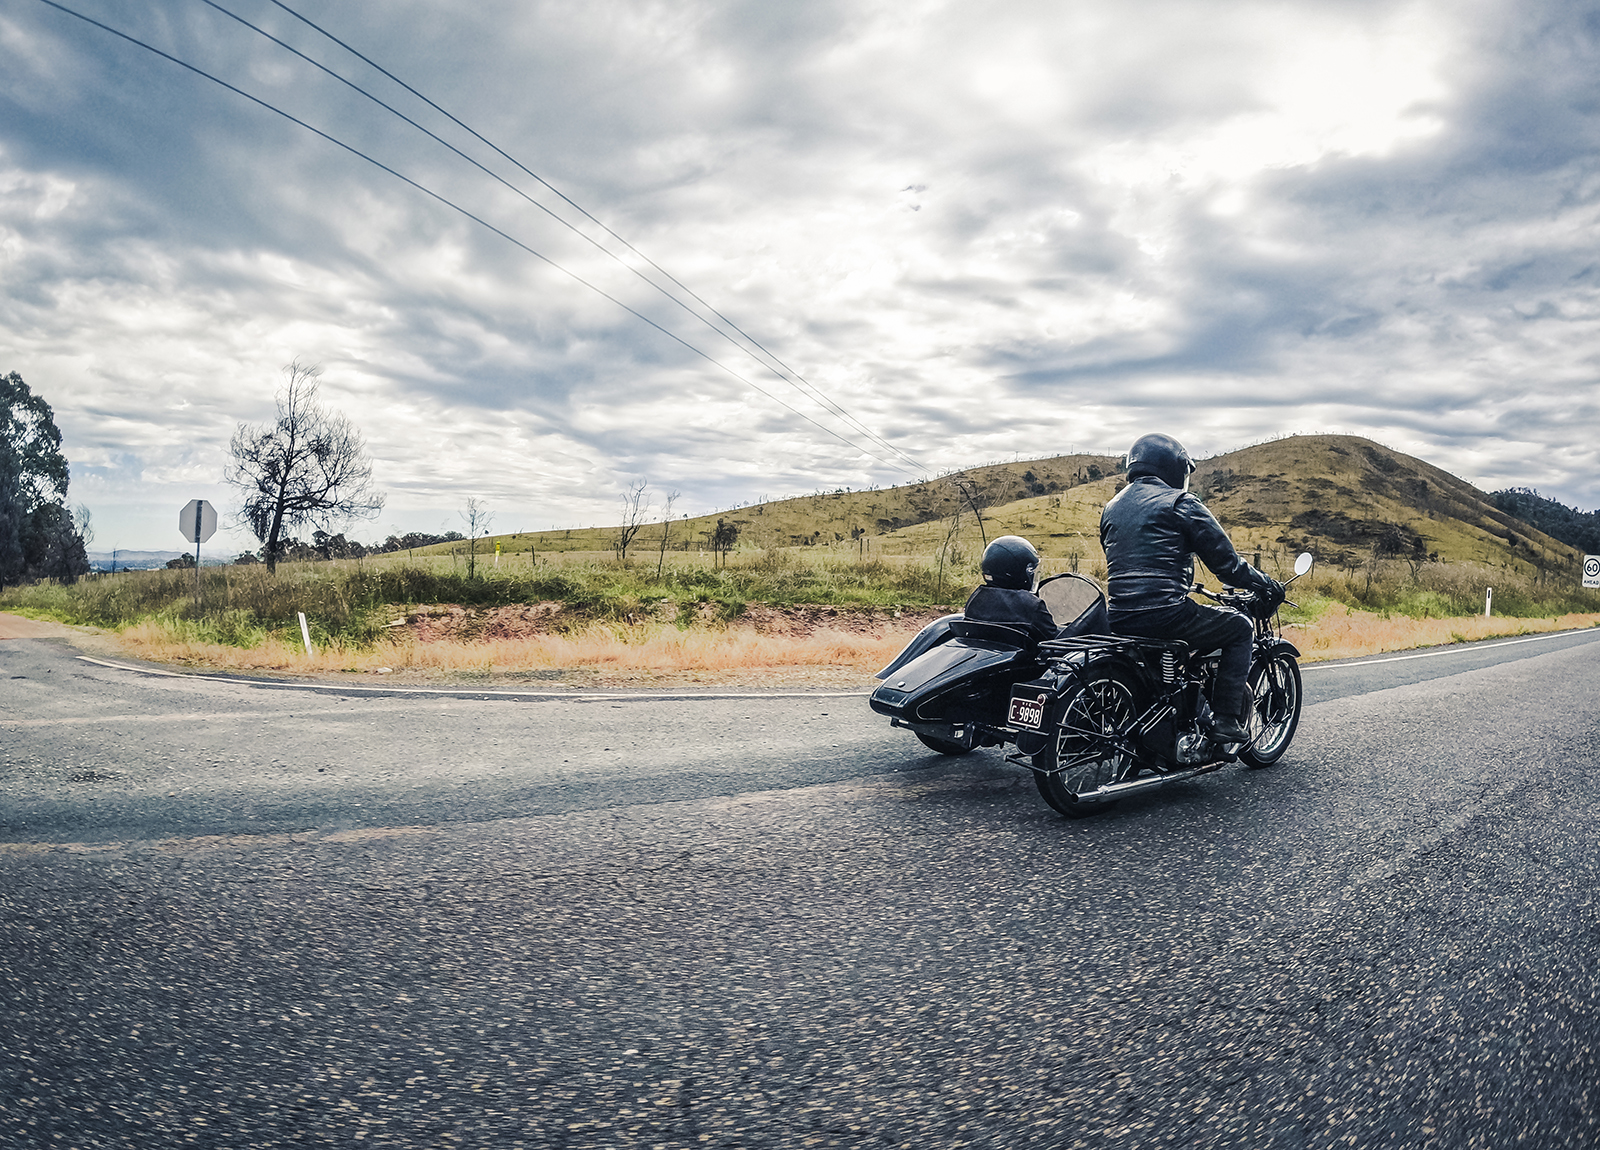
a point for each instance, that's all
(1090, 743)
(1274, 709)
(948, 746)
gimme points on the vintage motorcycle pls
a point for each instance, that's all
(951, 686)
(1112, 716)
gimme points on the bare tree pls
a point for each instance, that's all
(83, 520)
(310, 467)
(666, 530)
(478, 518)
(976, 499)
(635, 507)
(949, 549)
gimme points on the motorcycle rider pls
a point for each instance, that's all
(1151, 531)
(1009, 566)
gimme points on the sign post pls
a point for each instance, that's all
(197, 522)
(1591, 570)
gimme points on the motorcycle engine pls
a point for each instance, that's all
(1193, 748)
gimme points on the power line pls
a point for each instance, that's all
(474, 218)
(787, 373)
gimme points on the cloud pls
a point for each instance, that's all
(985, 230)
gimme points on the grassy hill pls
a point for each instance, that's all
(1348, 500)
(893, 520)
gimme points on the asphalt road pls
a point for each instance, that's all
(236, 915)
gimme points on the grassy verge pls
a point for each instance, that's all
(598, 652)
(352, 601)
(615, 620)
(692, 618)
(1337, 632)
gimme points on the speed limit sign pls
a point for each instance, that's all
(1591, 570)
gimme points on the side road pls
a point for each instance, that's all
(18, 627)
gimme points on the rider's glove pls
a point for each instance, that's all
(1269, 598)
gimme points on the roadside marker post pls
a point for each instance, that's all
(305, 632)
(1488, 600)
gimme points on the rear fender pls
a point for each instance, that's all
(1040, 700)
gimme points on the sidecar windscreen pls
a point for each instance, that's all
(1076, 604)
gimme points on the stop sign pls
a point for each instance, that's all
(197, 521)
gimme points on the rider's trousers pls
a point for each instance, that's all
(1205, 629)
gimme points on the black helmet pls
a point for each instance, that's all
(1010, 561)
(1161, 456)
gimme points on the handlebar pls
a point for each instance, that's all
(1244, 600)
(1240, 599)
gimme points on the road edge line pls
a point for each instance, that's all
(559, 696)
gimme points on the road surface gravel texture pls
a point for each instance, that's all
(238, 915)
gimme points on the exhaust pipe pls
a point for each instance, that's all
(1134, 786)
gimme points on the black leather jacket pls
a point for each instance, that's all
(1017, 608)
(1151, 533)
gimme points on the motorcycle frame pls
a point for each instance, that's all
(1178, 697)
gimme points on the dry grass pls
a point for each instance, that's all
(661, 654)
(1341, 633)
(598, 653)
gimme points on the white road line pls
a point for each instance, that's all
(562, 696)
(1304, 667)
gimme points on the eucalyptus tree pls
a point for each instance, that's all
(39, 537)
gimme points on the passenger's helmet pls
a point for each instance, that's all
(1161, 456)
(1010, 561)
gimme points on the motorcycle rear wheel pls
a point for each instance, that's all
(1275, 700)
(1095, 720)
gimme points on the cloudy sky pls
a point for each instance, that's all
(979, 230)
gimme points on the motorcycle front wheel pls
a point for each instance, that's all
(1091, 738)
(1274, 709)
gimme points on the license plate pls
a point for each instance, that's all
(1027, 711)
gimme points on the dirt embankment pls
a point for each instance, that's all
(449, 623)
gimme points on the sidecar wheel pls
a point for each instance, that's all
(1091, 736)
(947, 746)
(1274, 710)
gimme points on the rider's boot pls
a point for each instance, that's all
(1228, 729)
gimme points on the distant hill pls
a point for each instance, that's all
(1580, 529)
(1342, 497)
(892, 518)
(141, 560)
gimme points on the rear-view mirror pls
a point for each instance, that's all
(1303, 564)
